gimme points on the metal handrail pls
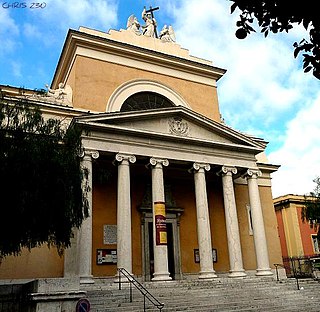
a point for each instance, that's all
(295, 272)
(276, 265)
(141, 288)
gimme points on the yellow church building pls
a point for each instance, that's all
(175, 192)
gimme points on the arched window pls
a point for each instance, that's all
(145, 101)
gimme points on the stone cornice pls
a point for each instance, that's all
(268, 168)
(286, 200)
(104, 128)
(48, 107)
(244, 142)
(145, 145)
(81, 43)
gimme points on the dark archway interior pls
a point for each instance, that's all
(145, 101)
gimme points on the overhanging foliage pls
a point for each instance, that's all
(278, 16)
(42, 198)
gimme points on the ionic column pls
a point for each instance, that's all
(160, 250)
(203, 222)
(259, 235)
(85, 232)
(124, 240)
(230, 210)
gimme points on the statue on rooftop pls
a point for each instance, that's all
(149, 29)
(167, 34)
(133, 24)
(63, 94)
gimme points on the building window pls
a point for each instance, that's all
(316, 243)
(145, 101)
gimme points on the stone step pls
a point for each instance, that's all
(241, 295)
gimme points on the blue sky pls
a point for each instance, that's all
(264, 91)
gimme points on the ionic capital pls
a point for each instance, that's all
(159, 162)
(127, 157)
(88, 154)
(252, 173)
(199, 167)
(227, 170)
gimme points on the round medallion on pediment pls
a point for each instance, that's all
(178, 126)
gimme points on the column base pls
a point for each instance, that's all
(264, 272)
(239, 273)
(86, 279)
(161, 277)
(207, 275)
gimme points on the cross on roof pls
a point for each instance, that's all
(151, 12)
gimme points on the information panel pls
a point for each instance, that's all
(106, 256)
(109, 234)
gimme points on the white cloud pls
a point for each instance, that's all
(31, 31)
(299, 157)
(7, 24)
(69, 13)
(16, 69)
(50, 24)
(9, 31)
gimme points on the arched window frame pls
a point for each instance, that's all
(129, 88)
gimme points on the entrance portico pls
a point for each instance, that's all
(203, 145)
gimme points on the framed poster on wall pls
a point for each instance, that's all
(106, 256)
(109, 234)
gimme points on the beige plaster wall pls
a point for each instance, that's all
(271, 226)
(270, 223)
(93, 81)
(39, 263)
(247, 243)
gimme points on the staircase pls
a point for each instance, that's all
(221, 294)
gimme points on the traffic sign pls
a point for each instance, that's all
(83, 305)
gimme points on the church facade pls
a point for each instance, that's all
(175, 192)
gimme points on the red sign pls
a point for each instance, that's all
(160, 223)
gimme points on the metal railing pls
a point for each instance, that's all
(276, 266)
(295, 274)
(146, 294)
(300, 266)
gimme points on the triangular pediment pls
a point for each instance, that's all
(177, 123)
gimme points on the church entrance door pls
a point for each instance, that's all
(173, 245)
